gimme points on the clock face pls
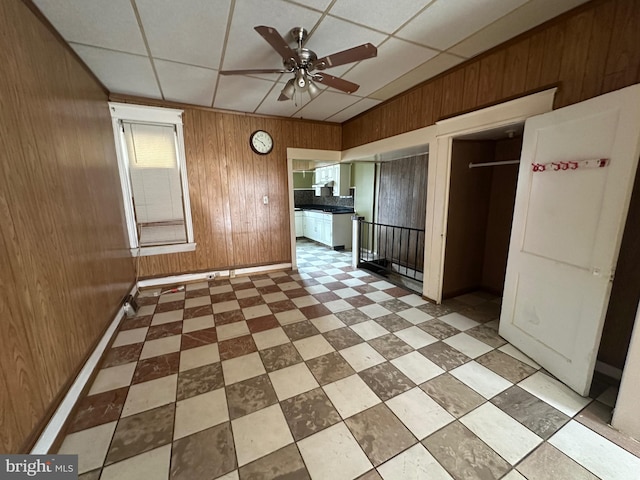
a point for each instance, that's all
(261, 142)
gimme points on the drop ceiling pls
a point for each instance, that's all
(173, 50)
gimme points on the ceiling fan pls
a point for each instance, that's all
(304, 63)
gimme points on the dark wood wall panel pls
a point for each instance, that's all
(591, 50)
(65, 263)
(227, 182)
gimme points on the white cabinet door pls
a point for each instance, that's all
(567, 230)
(299, 224)
(327, 229)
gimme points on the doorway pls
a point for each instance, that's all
(484, 174)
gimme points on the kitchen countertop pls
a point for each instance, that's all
(326, 208)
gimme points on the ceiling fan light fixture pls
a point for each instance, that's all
(302, 82)
(314, 91)
(288, 91)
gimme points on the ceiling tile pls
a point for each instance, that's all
(429, 69)
(326, 104)
(334, 35)
(110, 24)
(187, 31)
(395, 58)
(317, 4)
(242, 94)
(185, 83)
(246, 48)
(120, 72)
(379, 14)
(518, 21)
(355, 109)
(446, 22)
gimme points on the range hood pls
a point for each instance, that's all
(323, 189)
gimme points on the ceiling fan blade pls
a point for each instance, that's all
(335, 82)
(278, 43)
(249, 72)
(354, 54)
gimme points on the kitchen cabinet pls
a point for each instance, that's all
(341, 179)
(299, 224)
(329, 229)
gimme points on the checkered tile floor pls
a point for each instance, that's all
(331, 373)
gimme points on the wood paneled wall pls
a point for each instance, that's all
(64, 261)
(589, 51)
(227, 183)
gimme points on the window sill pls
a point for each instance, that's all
(163, 249)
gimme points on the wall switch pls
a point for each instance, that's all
(265, 200)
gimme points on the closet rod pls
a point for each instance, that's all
(493, 164)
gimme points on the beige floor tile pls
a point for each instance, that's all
(226, 306)
(152, 465)
(369, 330)
(270, 338)
(362, 356)
(255, 311)
(147, 395)
(171, 297)
(306, 301)
(241, 368)
(481, 379)
(247, 292)
(197, 302)
(220, 289)
(292, 380)
(113, 377)
(197, 323)
(260, 433)
(274, 297)
(459, 321)
(129, 337)
(374, 310)
(415, 337)
(418, 368)
(468, 345)
(327, 323)
(334, 454)
(200, 412)
(290, 316)
(167, 317)
(312, 347)
(415, 463)
(90, 445)
(351, 395)
(554, 393)
(232, 330)
(419, 412)
(199, 356)
(161, 346)
(415, 316)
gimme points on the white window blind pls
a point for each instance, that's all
(156, 186)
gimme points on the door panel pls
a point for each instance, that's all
(567, 230)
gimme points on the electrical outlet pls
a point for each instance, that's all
(211, 276)
(265, 200)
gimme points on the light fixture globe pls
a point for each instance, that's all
(313, 90)
(302, 82)
(288, 91)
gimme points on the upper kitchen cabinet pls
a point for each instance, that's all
(337, 176)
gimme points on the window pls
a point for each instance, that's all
(153, 175)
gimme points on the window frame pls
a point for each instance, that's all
(164, 116)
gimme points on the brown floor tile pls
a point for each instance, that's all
(98, 409)
(452, 395)
(92, 475)
(268, 289)
(464, 455)
(435, 310)
(329, 368)
(206, 454)
(156, 367)
(276, 358)
(251, 301)
(164, 330)
(296, 293)
(443, 355)
(309, 412)
(506, 366)
(223, 297)
(386, 380)
(282, 306)
(284, 464)
(380, 434)
(335, 285)
(199, 338)
(141, 433)
(390, 346)
(487, 335)
(362, 289)
(369, 279)
(353, 316)
(169, 306)
(300, 330)
(236, 347)
(342, 276)
(397, 292)
(136, 322)
(121, 355)
(315, 311)
(549, 463)
(359, 301)
(326, 297)
(199, 380)
(261, 324)
(143, 300)
(228, 317)
(250, 396)
(201, 292)
(200, 311)
(438, 329)
(394, 305)
(341, 338)
(540, 417)
(393, 322)
(483, 313)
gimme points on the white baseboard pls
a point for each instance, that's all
(608, 370)
(198, 277)
(57, 421)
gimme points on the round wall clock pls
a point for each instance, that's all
(261, 142)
